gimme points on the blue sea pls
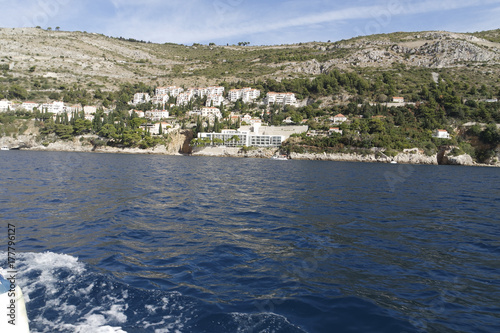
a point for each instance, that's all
(149, 243)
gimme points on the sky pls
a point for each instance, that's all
(260, 22)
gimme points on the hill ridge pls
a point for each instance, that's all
(73, 56)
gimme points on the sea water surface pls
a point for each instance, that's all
(143, 243)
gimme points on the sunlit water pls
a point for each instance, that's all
(142, 243)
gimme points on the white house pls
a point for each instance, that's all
(156, 115)
(250, 94)
(245, 94)
(139, 113)
(29, 106)
(441, 134)
(185, 97)
(334, 130)
(90, 109)
(160, 99)
(74, 108)
(246, 118)
(339, 119)
(5, 105)
(54, 107)
(170, 90)
(398, 99)
(215, 90)
(234, 94)
(154, 129)
(215, 100)
(207, 112)
(140, 98)
(280, 98)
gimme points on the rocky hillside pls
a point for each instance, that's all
(83, 58)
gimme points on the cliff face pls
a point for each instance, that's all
(445, 157)
(179, 142)
(431, 49)
(22, 138)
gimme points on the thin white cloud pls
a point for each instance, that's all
(184, 21)
(378, 13)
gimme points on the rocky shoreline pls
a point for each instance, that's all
(179, 147)
(443, 157)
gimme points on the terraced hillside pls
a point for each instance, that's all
(93, 60)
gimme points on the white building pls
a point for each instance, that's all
(139, 113)
(280, 98)
(215, 90)
(140, 98)
(234, 95)
(245, 94)
(214, 100)
(441, 134)
(398, 99)
(89, 112)
(210, 110)
(170, 90)
(339, 119)
(54, 107)
(246, 118)
(249, 120)
(160, 99)
(207, 112)
(74, 108)
(29, 106)
(5, 105)
(154, 129)
(185, 97)
(250, 94)
(334, 130)
(245, 138)
(156, 115)
(90, 109)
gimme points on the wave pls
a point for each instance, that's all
(63, 294)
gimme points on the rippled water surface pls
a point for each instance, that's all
(142, 243)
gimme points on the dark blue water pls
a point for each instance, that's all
(141, 243)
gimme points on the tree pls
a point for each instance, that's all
(55, 96)
(82, 126)
(58, 28)
(48, 127)
(65, 132)
(16, 91)
(136, 122)
(217, 141)
(97, 121)
(235, 138)
(130, 138)
(490, 135)
(108, 131)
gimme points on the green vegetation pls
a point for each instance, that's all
(115, 129)
(491, 35)
(459, 96)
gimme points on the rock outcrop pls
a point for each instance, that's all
(179, 142)
(406, 158)
(234, 152)
(446, 156)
